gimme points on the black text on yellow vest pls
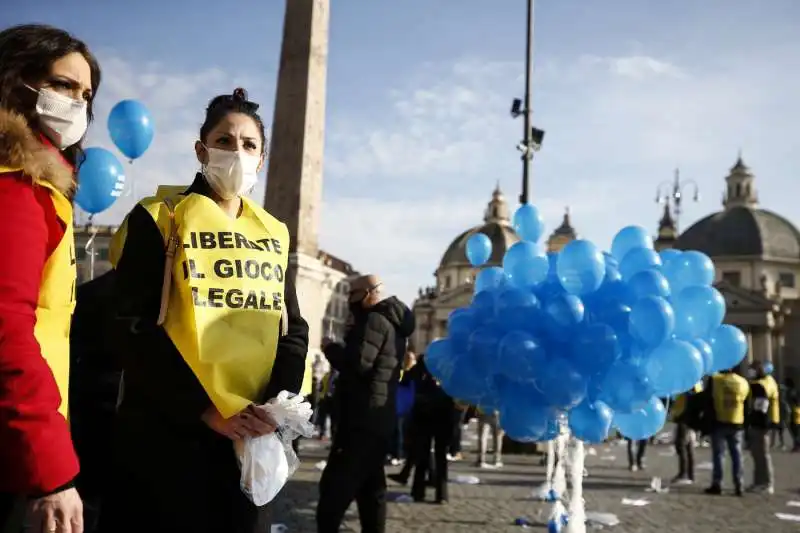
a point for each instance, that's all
(226, 298)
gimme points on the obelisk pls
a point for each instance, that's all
(294, 179)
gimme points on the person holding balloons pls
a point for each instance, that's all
(48, 82)
(209, 327)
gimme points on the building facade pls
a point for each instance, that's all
(454, 276)
(757, 257)
(88, 239)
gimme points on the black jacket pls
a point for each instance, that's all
(431, 402)
(170, 468)
(369, 368)
(94, 382)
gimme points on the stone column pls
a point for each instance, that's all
(294, 178)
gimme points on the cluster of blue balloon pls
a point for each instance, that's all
(101, 177)
(584, 337)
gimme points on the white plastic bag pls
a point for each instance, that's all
(268, 461)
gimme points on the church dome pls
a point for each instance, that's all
(742, 228)
(496, 225)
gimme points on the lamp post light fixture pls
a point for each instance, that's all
(673, 192)
(532, 137)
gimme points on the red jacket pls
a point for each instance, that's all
(36, 452)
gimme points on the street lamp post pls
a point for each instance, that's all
(672, 192)
(531, 137)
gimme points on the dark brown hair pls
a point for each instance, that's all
(27, 53)
(225, 104)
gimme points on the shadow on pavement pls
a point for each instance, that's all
(296, 506)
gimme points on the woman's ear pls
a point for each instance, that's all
(201, 152)
(261, 162)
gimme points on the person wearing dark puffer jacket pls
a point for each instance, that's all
(369, 369)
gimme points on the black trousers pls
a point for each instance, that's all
(440, 436)
(638, 458)
(355, 471)
(12, 513)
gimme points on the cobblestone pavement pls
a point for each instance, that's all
(505, 494)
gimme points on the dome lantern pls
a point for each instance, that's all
(497, 211)
(741, 190)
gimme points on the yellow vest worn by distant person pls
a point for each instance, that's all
(773, 392)
(729, 394)
(57, 297)
(225, 311)
(680, 403)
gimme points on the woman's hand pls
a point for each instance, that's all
(252, 422)
(61, 512)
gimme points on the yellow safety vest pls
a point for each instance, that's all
(57, 296)
(729, 394)
(226, 299)
(679, 405)
(773, 392)
(796, 415)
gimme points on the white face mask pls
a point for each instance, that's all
(61, 118)
(231, 174)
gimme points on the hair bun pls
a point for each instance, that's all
(240, 94)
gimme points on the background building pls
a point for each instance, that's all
(757, 258)
(102, 241)
(455, 275)
(337, 310)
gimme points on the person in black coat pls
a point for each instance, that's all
(433, 408)
(94, 389)
(369, 369)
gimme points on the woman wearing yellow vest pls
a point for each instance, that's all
(48, 80)
(210, 327)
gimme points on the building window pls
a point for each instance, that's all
(787, 280)
(103, 254)
(447, 282)
(733, 278)
(80, 253)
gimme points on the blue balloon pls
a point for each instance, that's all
(440, 360)
(729, 345)
(563, 313)
(482, 348)
(522, 357)
(649, 283)
(769, 368)
(652, 320)
(689, 269)
(644, 423)
(518, 309)
(638, 260)
(699, 310)
(625, 387)
(524, 264)
(591, 421)
(460, 325)
(673, 367)
(594, 349)
(131, 128)
(467, 383)
(101, 180)
(668, 256)
(562, 385)
(629, 238)
(581, 267)
(489, 279)
(552, 266)
(523, 415)
(483, 305)
(528, 223)
(479, 249)
(706, 353)
(553, 428)
(612, 267)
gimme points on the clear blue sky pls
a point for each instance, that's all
(418, 131)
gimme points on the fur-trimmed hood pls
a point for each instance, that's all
(21, 148)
